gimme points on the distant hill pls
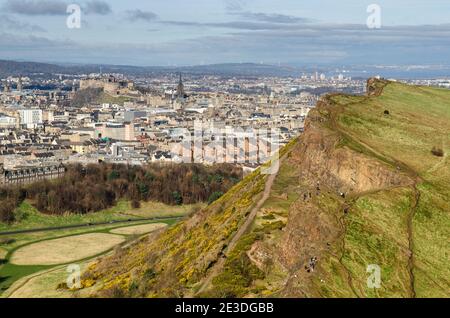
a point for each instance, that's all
(14, 68)
(364, 188)
(242, 69)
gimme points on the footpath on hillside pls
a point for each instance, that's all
(214, 271)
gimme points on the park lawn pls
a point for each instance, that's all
(44, 284)
(28, 217)
(18, 240)
(139, 229)
(10, 273)
(65, 250)
(42, 281)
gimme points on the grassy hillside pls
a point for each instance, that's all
(418, 121)
(366, 184)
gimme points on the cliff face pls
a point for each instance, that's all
(333, 174)
(359, 188)
(322, 156)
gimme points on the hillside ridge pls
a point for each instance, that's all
(360, 187)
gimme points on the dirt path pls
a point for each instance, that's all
(252, 215)
(214, 271)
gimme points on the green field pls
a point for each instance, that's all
(29, 218)
(10, 273)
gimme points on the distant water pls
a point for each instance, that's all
(401, 74)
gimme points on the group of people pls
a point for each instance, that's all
(311, 265)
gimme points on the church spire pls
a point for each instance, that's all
(19, 84)
(180, 88)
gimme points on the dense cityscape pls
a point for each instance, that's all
(49, 121)
(112, 118)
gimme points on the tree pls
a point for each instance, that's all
(41, 203)
(113, 175)
(96, 187)
(143, 190)
(178, 199)
(7, 211)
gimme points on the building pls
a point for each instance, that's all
(19, 84)
(55, 115)
(86, 146)
(110, 85)
(179, 99)
(132, 115)
(7, 121)
(30, 117)
(116, 131)
(24, 175)
(180, 88)
(6, 88)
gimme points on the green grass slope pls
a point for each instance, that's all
(418, 121)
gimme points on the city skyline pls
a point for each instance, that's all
(207, 32)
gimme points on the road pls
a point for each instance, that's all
(56, 228)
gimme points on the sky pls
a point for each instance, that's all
(197, 32)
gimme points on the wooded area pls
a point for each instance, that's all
(96, 187)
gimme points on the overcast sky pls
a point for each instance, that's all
(190, 32)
